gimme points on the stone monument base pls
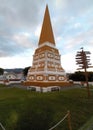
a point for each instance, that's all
(46, 86)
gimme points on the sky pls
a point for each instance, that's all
(20, 26)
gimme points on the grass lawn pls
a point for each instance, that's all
(88, 125)
(25, 110)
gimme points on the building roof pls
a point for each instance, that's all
(46, 31)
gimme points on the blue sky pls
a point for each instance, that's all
(20, 26)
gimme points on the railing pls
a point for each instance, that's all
(68, 116)
(69, 121)
(2, 126)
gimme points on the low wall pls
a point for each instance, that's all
(82, 83)
(9, 82)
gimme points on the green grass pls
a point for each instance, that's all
(91, 86)
(2, 86)
(25, 110)
(88, 125)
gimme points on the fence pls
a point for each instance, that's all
(69, 121)
(68, 116)
(2, 126)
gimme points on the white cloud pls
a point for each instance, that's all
(15, 62)
(77, 25)
(22, 40)
(37, 31)
(68, 62)
(21, 21)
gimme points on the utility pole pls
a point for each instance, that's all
(83, 60)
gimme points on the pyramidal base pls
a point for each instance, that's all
(47, 86)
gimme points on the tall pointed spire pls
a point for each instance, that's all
(46, 69)
(46, 31)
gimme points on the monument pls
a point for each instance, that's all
(46, 70)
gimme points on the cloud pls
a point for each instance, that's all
(16, 44)
(9, 48)
(68, 62)
(71, 13)
(15, 62)
(17, 20)
(20, 11)
(23, 40)
(21, 21)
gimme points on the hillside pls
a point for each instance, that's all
(15, 70)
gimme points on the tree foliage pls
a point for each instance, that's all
(1, 71)
(25, 70)
(80, 76)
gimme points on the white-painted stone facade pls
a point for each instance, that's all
(46, 66)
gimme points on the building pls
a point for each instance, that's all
(11, 77)
(46, 69)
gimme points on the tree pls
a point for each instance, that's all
(90, 76)
(80, 76)
(1, 71)
(25, 70)
(77, 76)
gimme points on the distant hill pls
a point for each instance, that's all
(15, 70)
